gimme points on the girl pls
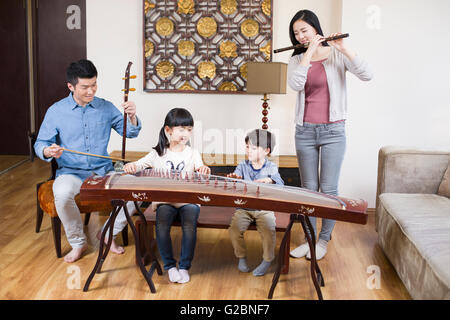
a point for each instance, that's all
(173, 152)
(317, 73)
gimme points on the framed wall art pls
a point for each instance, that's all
(203, 46)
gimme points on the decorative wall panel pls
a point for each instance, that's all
(203, 46)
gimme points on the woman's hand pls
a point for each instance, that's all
(130, 168)
(204, 170)
(339, 43)
(314, 44)
(312, 48)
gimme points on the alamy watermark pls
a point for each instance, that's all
(74, 280)
(374, 280)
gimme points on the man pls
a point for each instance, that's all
(81, 122)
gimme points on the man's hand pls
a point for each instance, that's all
(54, 151)
(130, 109)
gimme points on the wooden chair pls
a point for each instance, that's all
(45, 202)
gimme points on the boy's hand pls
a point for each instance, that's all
(233, 175)
(130, 168)
(204, 170)
(265, 180)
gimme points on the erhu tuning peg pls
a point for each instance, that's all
(133, 77)
(132, 89)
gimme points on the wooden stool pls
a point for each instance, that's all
(46, 203)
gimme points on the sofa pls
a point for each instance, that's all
(413, 218)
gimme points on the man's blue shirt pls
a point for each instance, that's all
(85, 129)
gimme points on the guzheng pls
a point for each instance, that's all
(210, 190)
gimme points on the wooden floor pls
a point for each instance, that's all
(29, 268)
(8, 161)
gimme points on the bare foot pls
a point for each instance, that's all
(75, 254)
(114, 247)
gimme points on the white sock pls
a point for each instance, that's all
(184, 274)
(301, 251)
(174, 275)
(321, 249)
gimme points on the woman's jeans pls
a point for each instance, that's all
(165, 216)
(320, 152)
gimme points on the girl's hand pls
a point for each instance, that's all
(233, 175)
(265, 180)
(130, 168)
(204, 170)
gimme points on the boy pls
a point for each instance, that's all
(259, 144)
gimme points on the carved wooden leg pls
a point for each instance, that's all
(310, 237)
(147, 275)
(285, 269)
(281, 257)
(102, 255)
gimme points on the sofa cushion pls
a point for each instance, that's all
(424, 219)
(444, 187)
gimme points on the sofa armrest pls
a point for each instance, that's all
(405, 170)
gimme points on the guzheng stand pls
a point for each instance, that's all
(103, 252)
(316, 274)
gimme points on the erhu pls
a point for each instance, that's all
(298, 46)
(118, 166)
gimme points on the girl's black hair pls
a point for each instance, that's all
(310, 18)
(177, 117)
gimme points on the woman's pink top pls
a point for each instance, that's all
(317, 96)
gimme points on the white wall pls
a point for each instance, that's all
(114, 37)
(408, 101)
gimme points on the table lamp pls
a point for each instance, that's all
(264, 78)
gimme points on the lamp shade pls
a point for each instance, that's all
(266, 77)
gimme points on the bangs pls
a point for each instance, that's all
(180, 117)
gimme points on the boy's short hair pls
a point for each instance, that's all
(261, 138)
(83, 68)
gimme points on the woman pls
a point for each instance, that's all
(317, 72)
